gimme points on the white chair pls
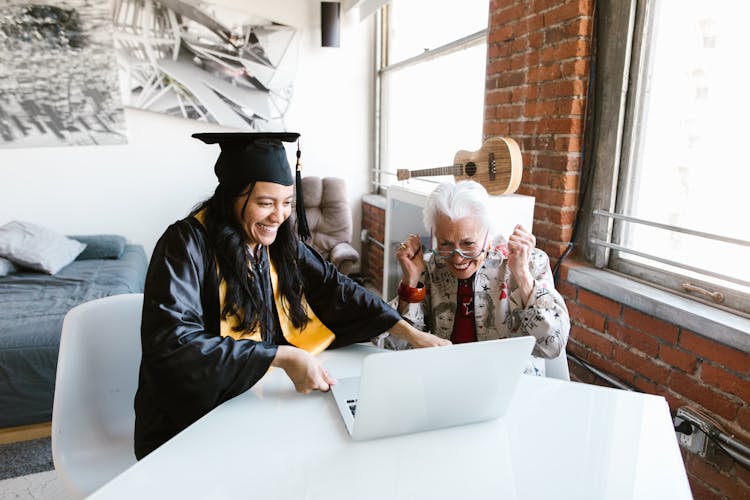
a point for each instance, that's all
(97, 376)
(557, 367)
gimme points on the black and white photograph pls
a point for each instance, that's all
(206, 62)
(58, 75)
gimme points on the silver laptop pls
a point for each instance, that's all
(401, 392)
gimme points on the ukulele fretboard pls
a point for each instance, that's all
(450, 170)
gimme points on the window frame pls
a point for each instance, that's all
(619, 80)
(383, 66)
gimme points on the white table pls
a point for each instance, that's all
(560, 440)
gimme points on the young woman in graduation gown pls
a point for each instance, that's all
(231, 291)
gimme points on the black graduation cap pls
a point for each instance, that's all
(257, 156)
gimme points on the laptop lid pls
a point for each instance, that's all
(402, 392)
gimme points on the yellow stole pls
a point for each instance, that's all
(314, 338)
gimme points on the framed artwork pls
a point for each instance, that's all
(202, 61)
(58, 75)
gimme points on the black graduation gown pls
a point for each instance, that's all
(187, 368)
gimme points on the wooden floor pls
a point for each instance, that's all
(25, 432)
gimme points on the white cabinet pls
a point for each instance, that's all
(403, 216)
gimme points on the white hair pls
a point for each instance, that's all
(457, 201)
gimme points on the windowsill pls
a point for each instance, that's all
(718, 325)
(376, 200)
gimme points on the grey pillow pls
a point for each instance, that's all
(101, 246)
(37, 247)
(7, 267)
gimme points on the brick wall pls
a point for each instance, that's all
(537, 71)
(371, 266)
(537, 75)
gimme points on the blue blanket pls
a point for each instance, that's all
(32, 308)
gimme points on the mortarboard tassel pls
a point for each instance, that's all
(302, 228)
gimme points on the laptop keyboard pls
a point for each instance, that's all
(352, 404)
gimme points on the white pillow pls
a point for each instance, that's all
(7, 267)
(37, 247)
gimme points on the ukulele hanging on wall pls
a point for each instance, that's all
(497, 165)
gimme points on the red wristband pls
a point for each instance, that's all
(410, 294)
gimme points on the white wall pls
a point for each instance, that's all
(334, 107)
(139, 188)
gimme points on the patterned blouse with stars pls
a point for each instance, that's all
(498, 310)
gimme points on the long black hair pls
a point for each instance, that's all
(226, 237)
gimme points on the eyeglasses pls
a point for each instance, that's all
(471, 251)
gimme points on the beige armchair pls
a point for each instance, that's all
(330, 220)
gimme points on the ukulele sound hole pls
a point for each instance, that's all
(470, 169)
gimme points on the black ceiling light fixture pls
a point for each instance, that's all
(330, 23)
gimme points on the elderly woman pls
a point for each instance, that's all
(474, 285)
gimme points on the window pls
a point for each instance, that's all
(670, 172)
(432, 80)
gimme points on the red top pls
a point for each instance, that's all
(464, 328)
